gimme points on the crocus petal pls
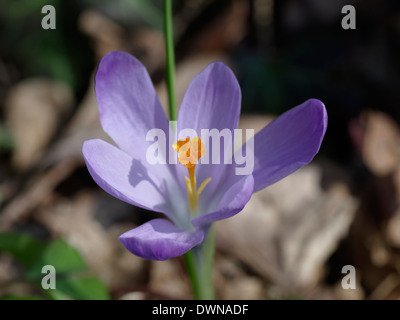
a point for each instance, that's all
(231, 201)
(120, 175)
(288, 143)
(212, 100)
(128, 104)
(159, 239)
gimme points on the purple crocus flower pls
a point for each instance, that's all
(129, 108)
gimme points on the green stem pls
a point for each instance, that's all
(199, 260)
(170, 56)
(199, 263)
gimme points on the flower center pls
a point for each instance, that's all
(189, 153)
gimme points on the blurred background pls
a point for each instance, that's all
(293, 238)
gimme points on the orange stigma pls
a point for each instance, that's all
(189, 153)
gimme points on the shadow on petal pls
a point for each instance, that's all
(172, 203)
